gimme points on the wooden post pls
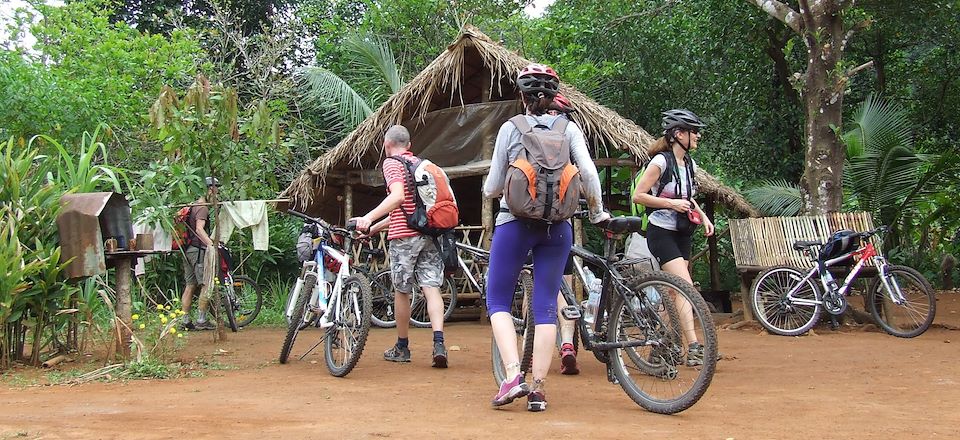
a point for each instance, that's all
(123, 308)
(348, 202)
(712, 245)
(745, 280)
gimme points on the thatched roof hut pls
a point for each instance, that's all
(453, 110)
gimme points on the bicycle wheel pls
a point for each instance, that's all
(915, 313)
(383, 315)
(520, 294)
(688, 380)
(297, 319)
(524, 334)
(227, 303)
(418, 306)
(779, 314)
(348, 335)
(248, 299)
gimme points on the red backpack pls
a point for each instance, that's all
(181, 229)
(435, 207)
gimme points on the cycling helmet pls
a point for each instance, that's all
(841, 242)
(212, 181)
(538, 78)
(561, 103)
(681, 118)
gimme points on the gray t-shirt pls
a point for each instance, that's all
(667, 218)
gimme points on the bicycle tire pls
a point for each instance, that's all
(384, 309)
(520, 293)
(227, 304)
(296, 319)
(418, 304)
(525, 333)
(290, 297)
(249, 300)
(702, 375)
(882, 314)
(770, 309)
(361, 324)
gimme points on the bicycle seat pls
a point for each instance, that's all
(623, 225)
(375, 253)
(803, 244)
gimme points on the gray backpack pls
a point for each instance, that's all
(542, 183)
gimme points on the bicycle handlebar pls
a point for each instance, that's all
(351, 225)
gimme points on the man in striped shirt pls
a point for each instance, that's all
(413, 256)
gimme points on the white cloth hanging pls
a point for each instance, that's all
(245, 214)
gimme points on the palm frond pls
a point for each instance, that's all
(325, 89)
(878, 125)
(777, 198)
(373, 56)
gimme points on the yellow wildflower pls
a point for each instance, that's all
(159, 307)
(180, 312)
(179, 335)
(143, 326)
(135, 317)
(163, 319)
(173, 330)
(167, 307)
(173, 315)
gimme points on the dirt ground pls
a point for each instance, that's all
(851, 383)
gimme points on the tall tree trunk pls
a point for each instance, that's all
(820, 23)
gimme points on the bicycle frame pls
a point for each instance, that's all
(862, 255)
(313, 268)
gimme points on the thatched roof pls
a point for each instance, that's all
(474, 69)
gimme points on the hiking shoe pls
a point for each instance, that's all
(204, 325)
(695, 354)
(568, 360)
(397, 354)
(187, 325)
(511, 390)
(536, 401)
(439, 355)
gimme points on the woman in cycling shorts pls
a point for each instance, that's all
(675, 214)
(515, 238)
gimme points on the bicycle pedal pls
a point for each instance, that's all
(570, 312)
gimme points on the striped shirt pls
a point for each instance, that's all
(394, 171)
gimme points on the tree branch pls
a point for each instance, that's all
(651, 12)
(781, 12)
(857, 69)
(856, 28)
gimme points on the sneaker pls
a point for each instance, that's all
(511, 390)
(187, 325)
(695, 354)
(536, 401)
(397, 354)
(439, 355)
(204, 325)
(568, 360)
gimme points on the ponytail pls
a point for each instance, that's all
(537, 103)
(665, 143)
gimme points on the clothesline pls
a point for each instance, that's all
(226, 201)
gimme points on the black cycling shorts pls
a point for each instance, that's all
(667, 245)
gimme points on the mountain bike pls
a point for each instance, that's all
(340, 305)
(241, 297)
(788, 302)
(644, 328)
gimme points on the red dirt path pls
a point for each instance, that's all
(843, 384)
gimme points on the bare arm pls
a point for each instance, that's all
(642, 194)
(202, 232)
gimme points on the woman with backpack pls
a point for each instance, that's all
(519, 232)
(672, 212)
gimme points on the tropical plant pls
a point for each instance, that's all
(776, 198)
(373, 69)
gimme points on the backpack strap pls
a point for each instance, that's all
(520, 121)
(410, 183)
(560, 125)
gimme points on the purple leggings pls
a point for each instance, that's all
(512, 242)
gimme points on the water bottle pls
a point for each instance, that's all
(593, 285)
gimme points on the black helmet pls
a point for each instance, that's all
(538, 78)
(841, 242)
(681, 118)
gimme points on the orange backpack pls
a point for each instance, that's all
(435, 209)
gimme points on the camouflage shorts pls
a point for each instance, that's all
(415, 257)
